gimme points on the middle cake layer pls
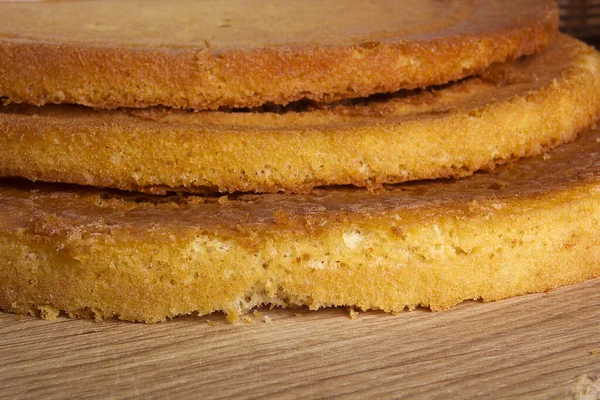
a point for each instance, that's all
(514, 110)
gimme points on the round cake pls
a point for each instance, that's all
(233, 53)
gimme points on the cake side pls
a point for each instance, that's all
(488, 251)
(226, 54)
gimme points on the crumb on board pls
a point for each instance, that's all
(248, 320)
(298, 314)
(594, 352)
(267, 319)
(353, 313)
(586, 387)
(256, 314)
(48, 312)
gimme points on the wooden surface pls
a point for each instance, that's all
(538, 346)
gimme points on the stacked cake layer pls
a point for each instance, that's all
(216, 157)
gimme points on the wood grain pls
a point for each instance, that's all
(535, 346)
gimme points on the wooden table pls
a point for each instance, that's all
(538, 346)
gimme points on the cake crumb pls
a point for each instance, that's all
(256, 314)
(586, 387)
(48, 312)
(19, 318)
(353, 313)
(223, 199)
(267, 319)
(298, 314)
(594, 352)
(211, 323)
(247, 320)
(546, 156)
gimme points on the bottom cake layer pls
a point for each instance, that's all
(530, 226)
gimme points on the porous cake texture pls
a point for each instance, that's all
(209, 156)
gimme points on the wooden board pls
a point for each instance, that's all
(538, 346)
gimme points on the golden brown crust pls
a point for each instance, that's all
(102, 55)
(529, 227)
(514, 110)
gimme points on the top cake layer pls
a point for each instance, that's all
(213, 54)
